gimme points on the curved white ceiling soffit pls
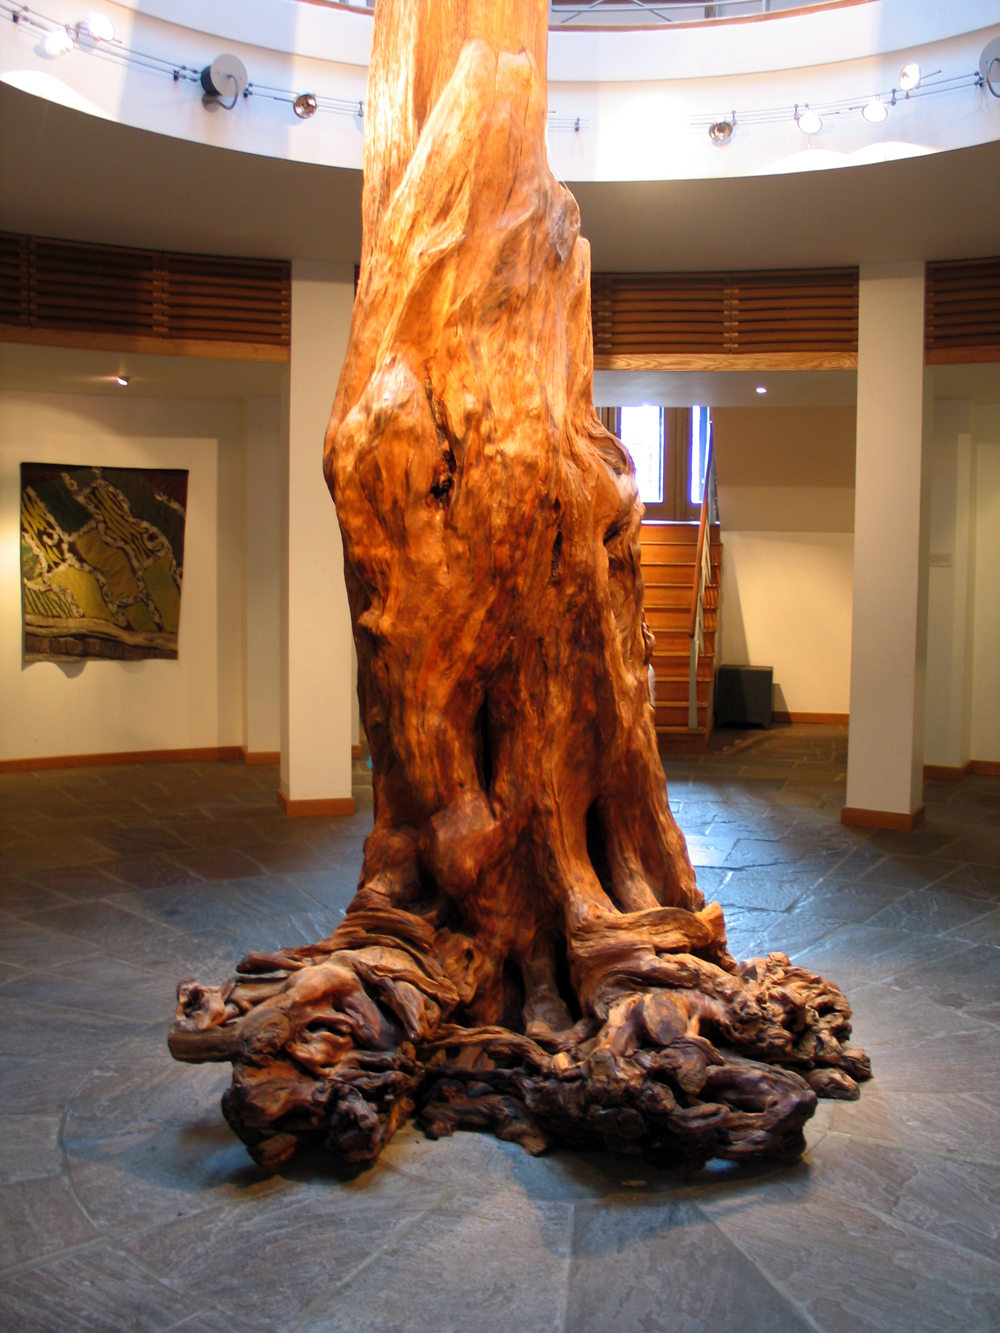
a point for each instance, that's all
(625, 104)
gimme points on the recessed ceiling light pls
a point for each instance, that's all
(722, 131)
(875, 111)
(909, 77)
(809, 122)
(58, 42)
(122, 380)
(99, 27)
(305, 105)
(761, 388)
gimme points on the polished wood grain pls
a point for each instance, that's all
(528, 951)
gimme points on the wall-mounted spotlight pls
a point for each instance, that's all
(808, 121)
(98, 27)
(59, 42)
(305, 106)
(762, 388)
(875, 111)
(909, 77)
(721, 131)
(989, 66)
(225, 78)
(122, 381)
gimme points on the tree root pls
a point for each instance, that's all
(682, 1059)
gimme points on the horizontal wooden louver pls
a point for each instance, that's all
(795, 311)
(725, 314)
(75, 294)
(962, 311)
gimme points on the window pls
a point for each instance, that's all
(701, 434)
(642, 436)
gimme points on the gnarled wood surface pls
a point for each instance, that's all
(528, 951)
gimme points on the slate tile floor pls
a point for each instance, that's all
(126, 1204)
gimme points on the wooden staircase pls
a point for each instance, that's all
(669, 555)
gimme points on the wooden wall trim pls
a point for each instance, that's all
(726, 361)
(334, 805)
(813, 719)
(125, 342)
(887, 819)
(226, 753)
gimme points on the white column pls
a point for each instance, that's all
(950, 599)
(891, 519)
(262, 562)
(316, 622)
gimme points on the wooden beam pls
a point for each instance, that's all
(727, 361)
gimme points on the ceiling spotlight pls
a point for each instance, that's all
(59, 42)
(808, 121)
(122, 380)
(909, 78)
(225, 77)
(98, 27)
(989, 66)
(875, 111)
(305, 105)
(722, 130)
(761, 388)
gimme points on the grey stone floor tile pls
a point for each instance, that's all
(215, 863)
(154, 871)
(216, 906)
(28, 944)
(981, 930)
(966, 1061)
(138, 1087)
(29, 1147)
(10, 972)
(848, 902)
(40, 1217)
(910, 871)
(975, 881)
(931, 911)
(961, 982)
(97, 1290)
(952, 1200)
(855, 955)
(130, 1183)
(56, 990)
(850, 1268)
(76, 882)
(270, 1258)
(39, 1084)
(518, 1250)
(886, 1017)
(665, 1266)
(753, 934)
(947, 1123)
(28, 1029)
(119, 933)
(20, 896)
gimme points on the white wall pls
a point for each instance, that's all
(786, 505)
(101, 706)
(985, 719)
(262, 558)
(786, 603)
(318, 682)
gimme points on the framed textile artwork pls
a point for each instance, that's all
(102, 557)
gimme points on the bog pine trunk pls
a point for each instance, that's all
(528, 951)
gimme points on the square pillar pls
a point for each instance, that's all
(891, 520)
(262, 564)
(316, 686)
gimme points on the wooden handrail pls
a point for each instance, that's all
(702, 532)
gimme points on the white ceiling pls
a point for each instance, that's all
(63, 173)
(69, 370)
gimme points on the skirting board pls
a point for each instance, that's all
(887, 819)
(335, 805)
(819, 719)
(261, 756)
(983, 768)
(355, 751)
(227, 753)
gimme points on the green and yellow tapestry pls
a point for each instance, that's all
(102, 554)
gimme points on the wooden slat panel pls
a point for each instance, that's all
(789, 312)
(65, 292)
(962, 311)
